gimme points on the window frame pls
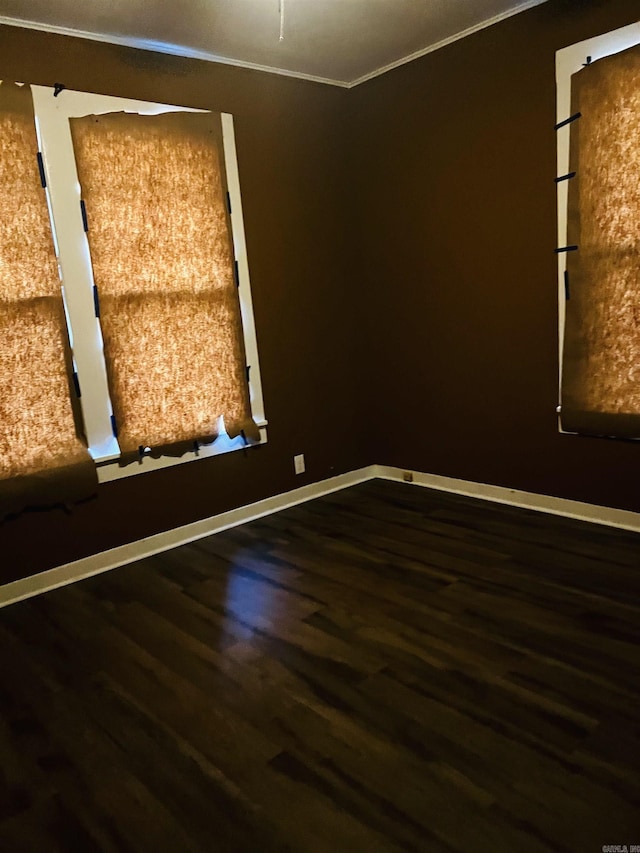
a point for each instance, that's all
(570, 60)
(52, 114)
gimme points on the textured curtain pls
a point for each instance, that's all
(601, 361)
(159, 234)
(42, 459)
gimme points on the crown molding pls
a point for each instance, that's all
(489, 22)
(191, 53)
(170, 49)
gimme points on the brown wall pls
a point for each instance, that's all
(293, 171)
(458, 214)
(400, 240)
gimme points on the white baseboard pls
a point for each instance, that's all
(621, 518)
(95, 564)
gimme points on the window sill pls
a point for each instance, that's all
(109, 469)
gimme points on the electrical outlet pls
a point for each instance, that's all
(298, 463)
(407, 476)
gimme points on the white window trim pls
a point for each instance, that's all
(570, 60)
(72, 247)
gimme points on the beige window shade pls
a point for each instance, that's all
(601, 356)
(159, 235)
(42, 459)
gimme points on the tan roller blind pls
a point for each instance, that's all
(601, 362)
(42, 460)
(159, 234)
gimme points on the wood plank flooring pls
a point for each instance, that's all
(383, 669)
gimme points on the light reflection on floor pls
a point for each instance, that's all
(250, 599)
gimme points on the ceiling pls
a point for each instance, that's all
(343, 42)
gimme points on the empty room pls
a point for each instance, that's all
(319, 422)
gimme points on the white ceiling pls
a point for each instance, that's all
(336, 41)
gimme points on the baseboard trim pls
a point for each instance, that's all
(95, 564)
(18, 590)
(623, 519)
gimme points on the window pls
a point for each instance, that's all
(598, 245)
(155, 273)
(42, 458)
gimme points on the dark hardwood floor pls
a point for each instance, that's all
(386, 668)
